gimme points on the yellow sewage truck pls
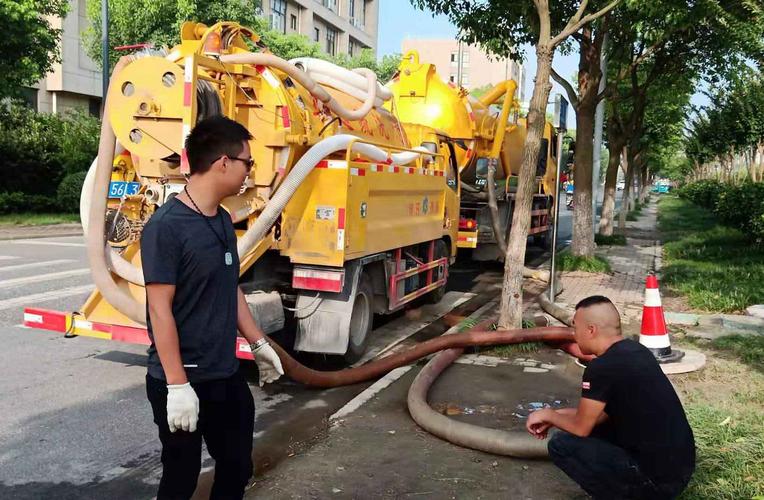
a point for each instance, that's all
(481, 130)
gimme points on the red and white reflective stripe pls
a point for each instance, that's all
(393, 169)
(285, 121)
(377, 168)
(655, 341)
(468, 239)
(652, 297)
(408, 170)
(358, 171)
(44, 318)
(340, 229)
(320, 280)
(269, 77)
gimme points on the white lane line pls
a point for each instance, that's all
(43, 277)
(31, 265)
(28, 300)
(370, 392)
(8, 257)
(46, 243)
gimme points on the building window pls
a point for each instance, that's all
(452, 78)
(352, 47)
(453, 58)
(351, 10)
(94, 106)
(330, 4)
(278, 15)
(293, 22)
(331, 41)
(29, 96)
(317, 35)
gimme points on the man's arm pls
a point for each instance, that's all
(159, 297)
(578, 421)
(245, 322)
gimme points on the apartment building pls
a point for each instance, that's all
(466, 65)
(338, 26)
(75, 82)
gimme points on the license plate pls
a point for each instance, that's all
(118, 189)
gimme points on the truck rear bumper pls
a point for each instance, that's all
(74, 324)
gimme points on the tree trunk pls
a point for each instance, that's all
(583, 228)
(589, 76)
(511, 309)
(615, 144)
(626, 199)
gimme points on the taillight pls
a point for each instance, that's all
(465, 223)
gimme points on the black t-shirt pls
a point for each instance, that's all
(646, 417)
(179, 248)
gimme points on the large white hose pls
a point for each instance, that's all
(301, 170)
(317, 67)
(96, 243)
(310, 85)
(115, 261)
(344, 87)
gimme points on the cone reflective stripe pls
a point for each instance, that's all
(654, 334)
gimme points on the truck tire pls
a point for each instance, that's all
(361, 319)
(441, 250)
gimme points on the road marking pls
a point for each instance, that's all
(43, 277)
(44, 296)
(31, 265)
(8, 257)
(370, 392)
(46, 243)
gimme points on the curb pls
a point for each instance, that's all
(725, 321)
(38, 236)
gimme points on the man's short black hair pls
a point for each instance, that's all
(212, 138)
(593, 301)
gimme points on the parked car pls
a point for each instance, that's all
(620, 186)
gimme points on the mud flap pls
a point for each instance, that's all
(323, 318)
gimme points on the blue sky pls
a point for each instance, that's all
(398, 20)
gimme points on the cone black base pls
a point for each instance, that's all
(666, 354)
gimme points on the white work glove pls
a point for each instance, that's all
(268, 363)
(182, 407)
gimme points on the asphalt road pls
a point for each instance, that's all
(74, 420)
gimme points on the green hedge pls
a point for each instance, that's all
(37, 152)
(740, 206)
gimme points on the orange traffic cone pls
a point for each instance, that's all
(654, 334)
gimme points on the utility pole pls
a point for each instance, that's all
(599, 118)
(560, 123)
(104, 52)
(459, 64)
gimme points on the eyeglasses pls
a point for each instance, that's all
(249, 162)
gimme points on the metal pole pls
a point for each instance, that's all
(560, 135)
(104, 50)
(599, 117)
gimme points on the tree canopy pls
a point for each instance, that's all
(30, 43)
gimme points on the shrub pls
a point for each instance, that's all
(22, 202)
(704, 193)
(741, 206)
(68, 195)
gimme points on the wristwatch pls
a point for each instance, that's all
(257, 345)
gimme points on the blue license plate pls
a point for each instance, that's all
(118, 189)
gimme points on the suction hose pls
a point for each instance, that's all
(315, 378)
(115, 261)
(300, 171)
(303, 79)
(512, 443)
(96, 244)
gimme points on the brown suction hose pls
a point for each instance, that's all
(376, 369)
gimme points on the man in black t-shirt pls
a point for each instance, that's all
(194, 309)
(629, 436)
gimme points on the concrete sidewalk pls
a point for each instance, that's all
(630, 266)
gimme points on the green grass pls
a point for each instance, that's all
(716, 267)
(568, 262)
(614, 239)
(726, 418)
(32, 219)
(512, 350)
(632, 216)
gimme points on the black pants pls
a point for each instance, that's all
(226, 422)
(605, 470)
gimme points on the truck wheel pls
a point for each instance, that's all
(361, 319)
(441, 250)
